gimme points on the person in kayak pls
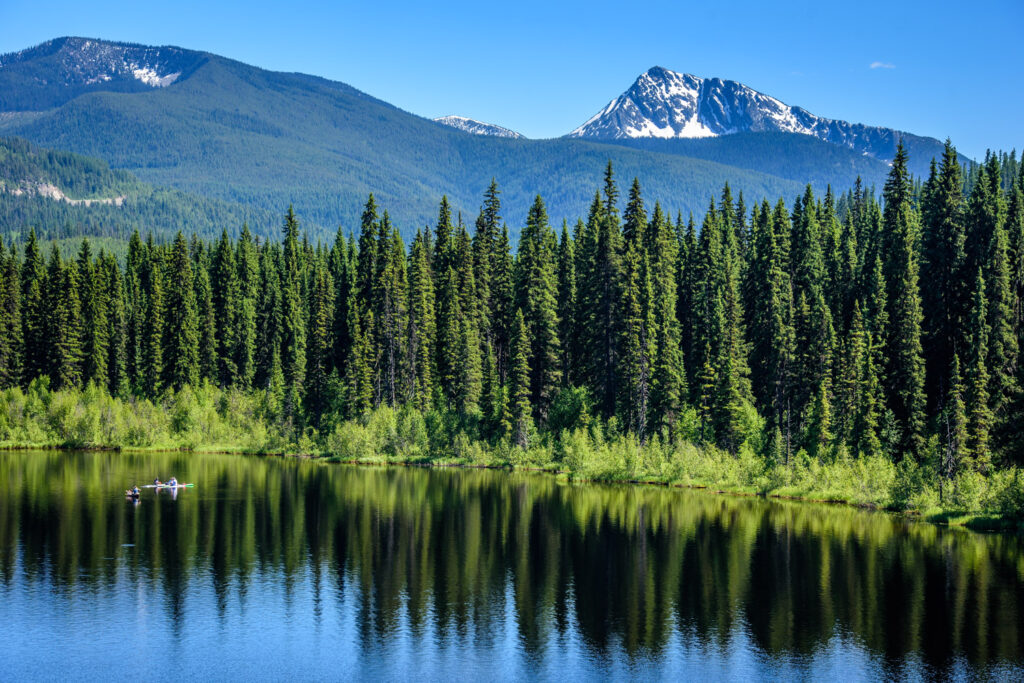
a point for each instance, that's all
(157, 482)
(135, 490)
(173, 481)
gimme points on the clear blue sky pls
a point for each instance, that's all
(940, 68)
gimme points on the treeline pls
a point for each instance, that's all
(831, 326)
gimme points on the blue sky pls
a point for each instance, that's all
(933, 68)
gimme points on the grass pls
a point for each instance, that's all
(207, 419)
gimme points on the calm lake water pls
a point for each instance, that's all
(282, 569)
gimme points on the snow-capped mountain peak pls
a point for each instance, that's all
(477, 127)
(667, 104)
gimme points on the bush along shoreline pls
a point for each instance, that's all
(210, 420)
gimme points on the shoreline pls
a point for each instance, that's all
(978, 522)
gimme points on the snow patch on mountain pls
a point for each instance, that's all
(478, 127)
(150, 77)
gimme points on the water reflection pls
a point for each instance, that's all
(285, 567)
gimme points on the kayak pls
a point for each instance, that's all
(168, 486)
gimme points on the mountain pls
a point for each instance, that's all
(663, 104)
(249, 142)
(478, 127)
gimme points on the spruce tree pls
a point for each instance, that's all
(518, 408)
(319, 349)
(448, 331)
(905, 373)
(95, 332)
(10, 319)
(244, 351)
(469, 378)
(945, 299)
(953, 428)
(64, 329)
(226, 305)
(150, 380)
(390, 305)
(293, 321)
(601, 301)
(181, 343)
(208, 361)
(668, 380)
(34, 312)
(134, 309)
(536, 297)
(422, 324)
(979, 414)
(568, 308)
(118, 379)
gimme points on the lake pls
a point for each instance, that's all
(274, 568)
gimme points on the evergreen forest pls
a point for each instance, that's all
(844, 347)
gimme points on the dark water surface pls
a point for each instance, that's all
(284, 569)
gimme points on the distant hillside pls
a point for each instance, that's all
(238, 134)
(64, 195)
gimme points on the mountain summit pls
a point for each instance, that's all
(669, 105)
(59, 70)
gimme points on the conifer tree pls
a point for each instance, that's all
(668, 379)
(568, 306)
(492, 397)
(519, 412)
(391, 312)
(319, 349)
(34, 311)
(181, 343)
(151, 380)
(358, 373)
(134, 309)
(117, 380)
(601, 300)
(905, 372)
(1002, 342)
(637, 343)
(502, 303)
(444, 247)
(293, 322)
(244, 352)
(536, 297)
(953, 426)
(979, 415)
(10, 319)
(64, 331)
(469, 377)
(93, 298)
(208, 362)
(366, 264)
(945, 299)
(448, 331)
(485, 244)
(422, 324)
(226, 305)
